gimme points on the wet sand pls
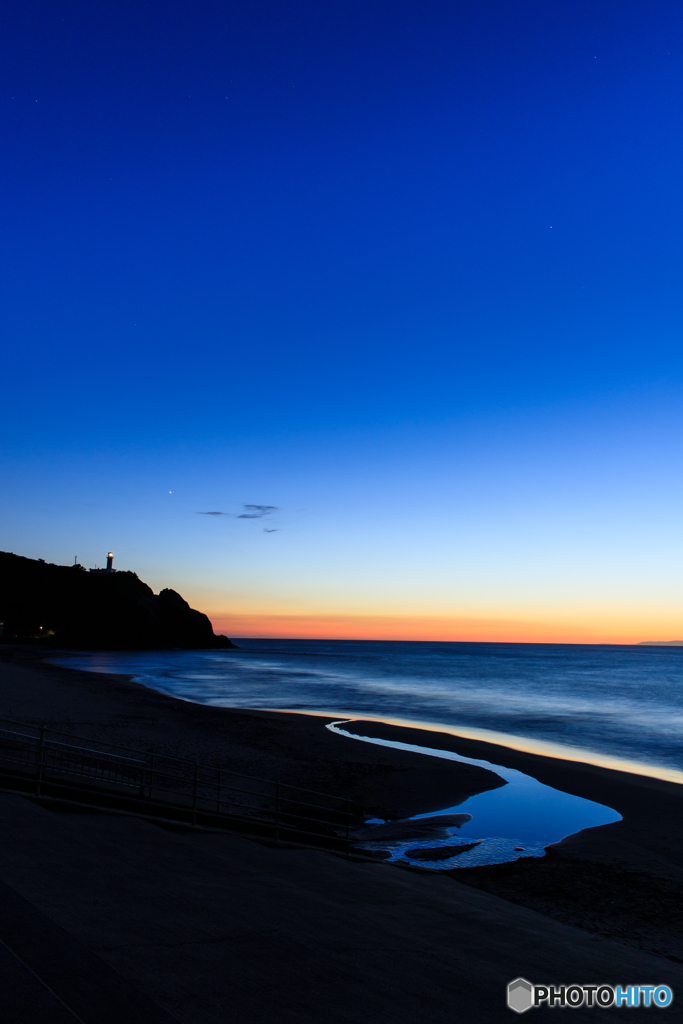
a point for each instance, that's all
(650, 835)
(297, 749)
(622, 882)
(281, 747)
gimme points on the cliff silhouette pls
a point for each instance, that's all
(108, 611)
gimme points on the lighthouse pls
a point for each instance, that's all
(110, 564)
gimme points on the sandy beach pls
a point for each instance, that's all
(604, 900)
(289, 748)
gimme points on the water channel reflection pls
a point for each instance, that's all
(516, 820)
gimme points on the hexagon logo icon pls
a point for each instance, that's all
(520, 995)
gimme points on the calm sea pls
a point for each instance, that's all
(612, 701)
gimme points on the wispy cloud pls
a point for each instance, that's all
(257, 511)
(250, 512)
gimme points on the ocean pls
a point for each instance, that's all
(606, 703)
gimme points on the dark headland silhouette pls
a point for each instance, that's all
(66, 606)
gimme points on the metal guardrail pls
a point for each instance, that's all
(47, 762)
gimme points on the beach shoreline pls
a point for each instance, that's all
(295, 747)
(610, 881)
(287, 747)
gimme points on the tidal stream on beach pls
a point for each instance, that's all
(516, 820)
(617, 706)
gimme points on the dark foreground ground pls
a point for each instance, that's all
(637, 908)
(107, 918)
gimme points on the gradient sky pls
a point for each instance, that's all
(410, 272)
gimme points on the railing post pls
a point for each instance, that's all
(348, 827)
(277, 813)
(141, 790)
(41, 761)
(194, 795)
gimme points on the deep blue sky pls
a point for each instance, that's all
(262, 232)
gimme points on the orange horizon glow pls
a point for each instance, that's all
(302, 626)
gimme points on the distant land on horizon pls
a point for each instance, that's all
(660, 643)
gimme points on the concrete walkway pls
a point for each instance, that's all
(215, 929)
(48, 975)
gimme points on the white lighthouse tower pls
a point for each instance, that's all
(110, 564)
